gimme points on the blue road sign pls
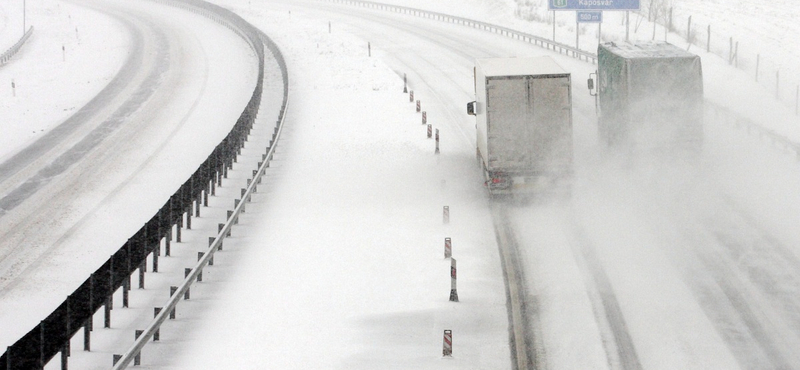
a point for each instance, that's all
(589, 16)
(593, 4)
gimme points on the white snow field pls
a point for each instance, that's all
(338, 261)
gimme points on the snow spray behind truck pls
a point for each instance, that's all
(650, 97)
(523, 109)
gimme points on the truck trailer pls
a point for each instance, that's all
(650, 97)
(523, 108)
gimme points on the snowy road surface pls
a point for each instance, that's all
(83, 172)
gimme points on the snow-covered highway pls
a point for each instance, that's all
(337, 264)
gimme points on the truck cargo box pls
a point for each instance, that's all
(650, 96)
(524, 122)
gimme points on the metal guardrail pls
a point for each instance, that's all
(52, 335)
(723, 114)
(176, 297)
(514, 34)
(8, 54)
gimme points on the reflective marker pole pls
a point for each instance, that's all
(453, 289)
(447, 345)
(437, 141)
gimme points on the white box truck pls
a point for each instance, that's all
(523, 108)
(650, 97)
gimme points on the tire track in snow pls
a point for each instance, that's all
(617, 341)
(748, 285)
(527, 349)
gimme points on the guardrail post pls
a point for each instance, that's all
(411, 96)
(430, 131)
(197, 203)
(107, 314)
(405, 84)
(167, 241)
(156, 252)
(178, 227)
(64, 358)
(230, 214)
(111, 275)
(186, 272)
(172, 291)
(446, 215)
(424, 118)
(419, 105)
(236, 204)
(448, 248)
(142, 267)
(137, 360)
(126, 285)
(87, 335)
(157, 334)
(199, 257)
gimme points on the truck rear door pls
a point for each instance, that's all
(507, 124)
(551, 131)
(529, 124)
